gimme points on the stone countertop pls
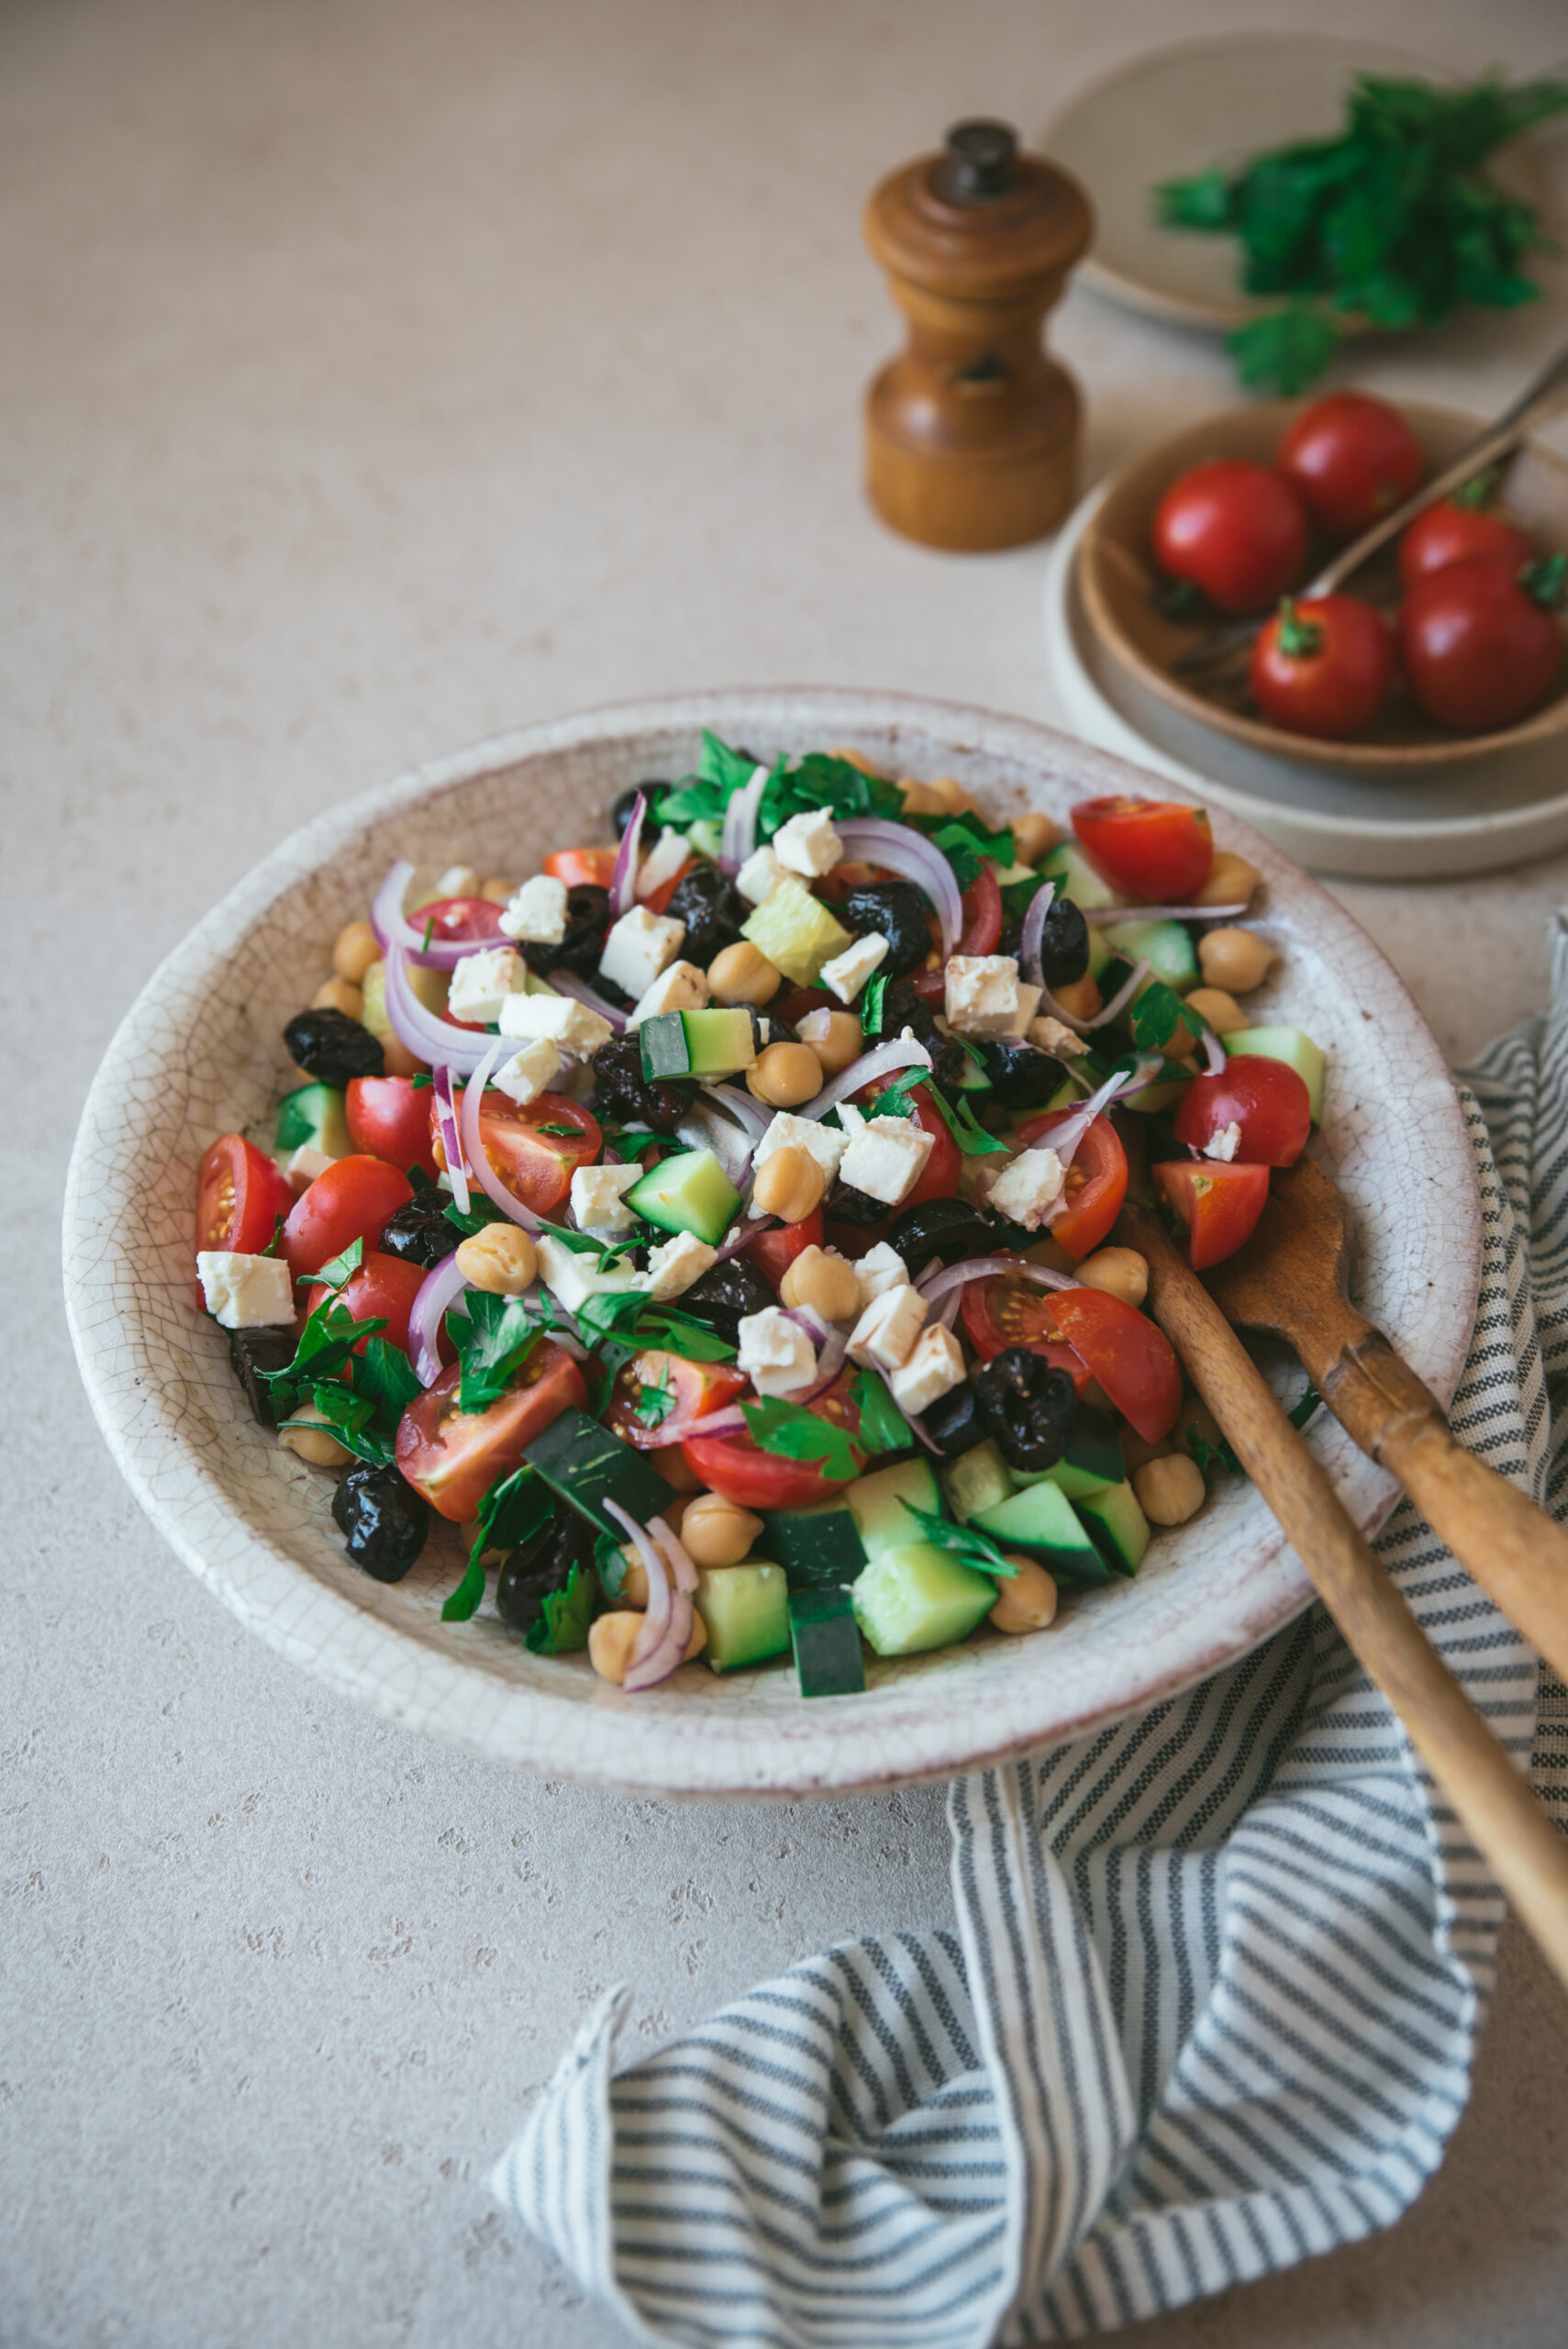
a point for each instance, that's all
(376, 378)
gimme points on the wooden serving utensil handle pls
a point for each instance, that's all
(1501, 1817)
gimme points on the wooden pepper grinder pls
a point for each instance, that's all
(971, 432)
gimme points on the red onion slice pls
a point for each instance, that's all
(739, 839)
(666, 1628)
(879, 1062)
(1033, 937)
(393, 927)
(422, 1033)
(829, 1362)
(912, 857)
(567, 983)
(729, 1421)
(742, 1236)
(441, 1288)
(1216, 1058)
(451, 1144)
(623, 880)
(742, 1107)
(677, 1557)
(981, 1268)
(1163, 913)
(473, 1148)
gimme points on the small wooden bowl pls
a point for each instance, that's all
(1118, 577)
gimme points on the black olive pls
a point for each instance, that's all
(903, 1008)
(849, 1206)
(897, 909)
(1022, 1077)
(1028, 1405)
(954, 1423)
(331, 1046)
(587, 927)
(418, 1232)
(713, 910)
(949, 1229)
(624, 801)
(622, 1093)
(726, 1293)
(541, 1564)
(1064, 944)
(384, 1518)
(251, 1352)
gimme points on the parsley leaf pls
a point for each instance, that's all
(419, 1082)
(326, 1342)
(870, 1005)
(884, 1427)
(792, 1432)
(352, 1421)
(515, 1507)
(478, 1213)
(494, 1337)
(609, 1564)
(385, 1376)
(966, 1542)
(661, 1325)
(598, 1317)
(1157, 1014)
(610, 1253)
(897, 1102)
(1019, 896)
(340, 1270)
(564, 1617)
(842, 788)
(966, 842)
(276, 1242)
(654, 1404)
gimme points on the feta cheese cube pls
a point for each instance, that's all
(682, 988)
(531, 1069)
(245, 1292)
(558, 1019)
(676, 1265)
(934, 1367)
(480, 984)
(981, 995)
(598, 1196)
(1028, 1004)
(807, 844)
(1053, 1036)
(305, 1164)
(537, 911)
(662, 863)
(787, 1131)
(879, 1269)
(760, 874)
(847, 974)
(776, 1356)
(885, 1157)
(573, 1279)
(1028, 1187)
(884, 1337)
(457, 881)
(637, 948)
(1224, 1143)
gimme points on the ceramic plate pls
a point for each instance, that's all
(200, 1052)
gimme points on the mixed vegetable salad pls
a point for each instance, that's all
(716, 1226)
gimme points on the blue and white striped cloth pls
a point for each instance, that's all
(1211, 1998)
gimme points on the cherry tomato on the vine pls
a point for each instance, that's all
(1236, 529)
(1157, 849)
(1353, 459)
(1322, 666)
(1478, 642)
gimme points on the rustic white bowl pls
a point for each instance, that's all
(200, 1052)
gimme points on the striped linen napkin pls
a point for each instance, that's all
(1211, 1996)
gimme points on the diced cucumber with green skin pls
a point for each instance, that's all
(534, 985)
(1040, 1521)
(827, 1641)
(1164, 945)
(977, 1479)
(818, 1546)
(588, 1466)
(919, 1597)
(1091, 1461)
(746, 1610)
(312, 1118)
(706, 839)
(796, 931)
(1296, 1050)
(876, 1504)
(1117, 1526)
(1101, 951)
(1075, 877)
(688, 1193)
(698, 1044)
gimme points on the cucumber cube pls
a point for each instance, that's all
(796, 931)
(663, 1039)
(688, 1193)
(746, 1612)
(1297, 1052)
(1091, 1461)
(1118, 1527)
(587, 1466)
(1075, 877)
(977, 1479)
(876, 1504)
(827, 1641)
(698, 1044)
(919, 1597)
(817, 1546)
(1165, 946)
(1040, 1521)
(312, 1118)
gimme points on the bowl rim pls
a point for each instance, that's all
(436, 1689)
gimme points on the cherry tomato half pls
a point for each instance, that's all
(1234, 529)
(459, 920)
(534, 1162)
(1096, 1184)
(386, 1118)
(1454, 530)
(1009, 1310)
(1266, 1098)
(1322, 666)
(1353, 459)
(1220, 1205)
(938, 1179)
(1154, 848)
(982, 907)
(454, 1457)
(582, 867)
(239, 1196)
(1133, 1361)
(733, 1465)
(689, 1391)
(1478, 648)
(775, 1251)
(383, 1289)
(351, 1201)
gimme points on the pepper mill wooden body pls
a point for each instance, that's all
(971, 432)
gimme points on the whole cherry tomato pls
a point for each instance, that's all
(388, 1118)
(1220, 1205)
(383, 1289)
(1268, 1101)
(1353, 458)
(1458, 527)
(1478, 642)
(239, 1196)
(350, 1200)
(1234, 529)
(1157, 849)
(1322, 666)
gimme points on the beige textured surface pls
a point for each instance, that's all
(376, 378)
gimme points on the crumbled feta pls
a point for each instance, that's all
(676, 1265)
(934, 1367)
(637, 948)
(305, 1164)
(1225, 1143)
(760, 874)
(531, 1069)
(457, 881)
(558, 1019)
(1053, 1036)
(879, 1269)
(807, 844)
(886, 1156)
(245, 1292)
(776, 1354)
(981, 995)
(847, 972)
(824, 1144)
(480, 984)
(884, 1337)
(682, 988)
(1028, 1187)
(598, 1196)
(662, 863)
(537, 911)
(573, 1279)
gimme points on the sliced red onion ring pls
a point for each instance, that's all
(918, 1428)
(742, 1107)
(903, 1053)
(739, 837)
(473, 1148)
(829, 1362)
(1064, 1139)
(912, 857)
(1164, 913)
(452, 1145)
(1216, 1058)
(981, 1268)
(704, 1128)
(1033, 936)
(441, 1287)
(677, 1557)
(725, 1422)
(567, 983)
(666, 1628)
(623, 880)
(424, 1033)
(393, 927)
(1124, 994)
(743, 1237)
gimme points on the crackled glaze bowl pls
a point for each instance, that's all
(201, 1052)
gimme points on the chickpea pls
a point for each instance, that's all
(742, 973)
(922, 798)
(501, 1258)
(1221, 1011)
(954, 799)
(834, 1036)
(1119, 1272)
(785, 1075)
(1081, 997)
(790, 1183)
(1236, 959)
(1231, 880)
(1169, 1490)
(356, 949)
(1026, 1601)
(717, 1532)
(823, 1281)
(338, 995)
(307, 1433)
(612, 1637)
(1034, 837)
(397, 1060)
(498, 889)
(632, 1596)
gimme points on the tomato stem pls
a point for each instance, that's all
(1478, 493)
(1298, 639)
(1545, 580)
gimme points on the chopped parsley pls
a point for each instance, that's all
(884, 1427)
(792, 1432)
(515, 1507)
(966, 1542)
(494, 1337)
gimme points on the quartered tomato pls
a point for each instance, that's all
(734, 1466)
(982, 905)
(775, 1251)
(386, 1118)
(239, 1196)
(351, 1201)
(454, 1457)
(593, 868)
(1267, 1099)
(1096, 1184)
(1133, 1361)
(535, 1162)
(1156, 849)
(1007, 1310)
(1219, 1204)
(938, 1178)
(383, 1289)
(454, 921)
(685, 1390)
